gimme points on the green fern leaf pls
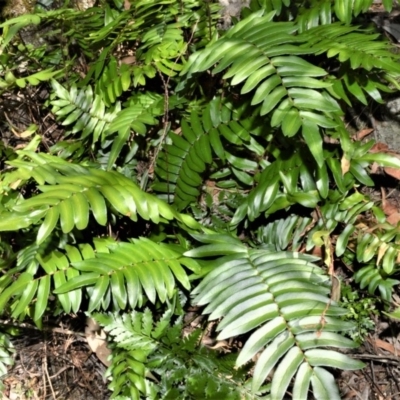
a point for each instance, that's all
(16, 24)
(113, 82)
(7, 351)
(273, 69)
(182, 164)
(140, 345)
(347, 43)
(323, 384)
(260, 303)
(16, 288)
(75, 191)
(129, 269)
(82, 109)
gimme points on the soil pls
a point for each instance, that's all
(55, 363)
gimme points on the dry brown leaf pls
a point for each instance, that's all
(221, 345)
(352, 394)
(14, 185)
(365, 395)
(383, 148)
(335, 289)
(362, 134)
(317, 251)
(395, 350)
(330, 140)
(393, 172)
(345, 164)
(97, 342)
(379, 148)
(381, 252)
(393, 219)
(374, 168)
(388, 207)
(128, 60)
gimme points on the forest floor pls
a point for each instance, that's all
(56, 363)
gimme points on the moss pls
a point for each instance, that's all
(13, 8)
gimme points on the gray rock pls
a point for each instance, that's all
(231, 8)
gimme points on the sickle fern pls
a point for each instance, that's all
(281, 298)
(175, 132)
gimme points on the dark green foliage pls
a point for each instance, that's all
(181, 366)
(281, 300)
(173, 133)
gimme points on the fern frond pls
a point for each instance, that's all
(182, 163)
(287, 86)
(308, 184)
(15, 25)
(40, 271)
(275, 68)
(373, 278)
(269, 5)
(264, 55)
(226, 150)
(128, 269)
(181, 367)
(163, 45)
(141, 110)
(317, 12)
(118, 23)
(77, 26)
(380, 244)
(83, 110)
(359, 47)
(203, 22)
(113, 82)
(35, 79)
(75, 191)
(282, 298)
(378, 249)
(284, 233)
(122, 327)
(345, 10)
(125, 274)
(303, 182)
(7, 351)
